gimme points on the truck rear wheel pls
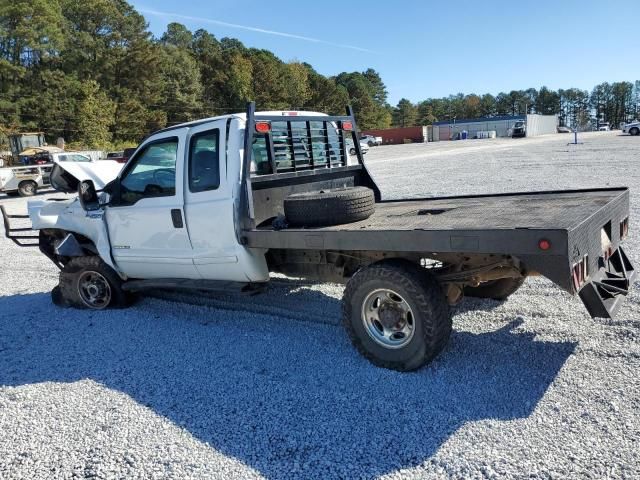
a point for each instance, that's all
(27, 188)
(396, 315)
(496, 289)
(329, 207)
(88, 282)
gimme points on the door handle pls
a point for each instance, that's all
(176, 218)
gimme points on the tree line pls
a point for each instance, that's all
(616, 103)
(92, 73)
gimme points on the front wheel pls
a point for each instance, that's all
(634, 131)
(396, 315)
(88, 282)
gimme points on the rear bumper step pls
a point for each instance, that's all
(604, 294)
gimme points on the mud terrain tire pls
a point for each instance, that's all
(413, 290)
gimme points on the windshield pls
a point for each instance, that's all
(32, 140)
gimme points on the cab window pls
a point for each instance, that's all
(152, 172)
(204, 162)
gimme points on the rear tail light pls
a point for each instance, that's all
(347, 126)
(624, 228)
(580, 272)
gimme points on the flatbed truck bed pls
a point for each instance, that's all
(549, 232)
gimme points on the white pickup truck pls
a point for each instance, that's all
(223, 202)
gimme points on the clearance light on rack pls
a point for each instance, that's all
(347, 126)
(263, 127)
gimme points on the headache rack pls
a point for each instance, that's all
(290, 142)
(296, 152)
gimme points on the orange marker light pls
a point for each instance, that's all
(348, 126)
(263, 127)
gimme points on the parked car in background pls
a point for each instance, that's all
(121, 156)
(632, 128)
(70, 157)
(117, 156)
(604, 127)
(371, 141)
(564, 130)
(519, 129)
(364, 148)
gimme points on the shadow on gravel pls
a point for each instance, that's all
(284, 397)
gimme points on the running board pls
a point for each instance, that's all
(9, 231)
(607, 289)
(188, 284)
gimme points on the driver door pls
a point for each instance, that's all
(148, 234)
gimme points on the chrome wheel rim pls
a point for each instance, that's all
(388, 318)
(94, 290)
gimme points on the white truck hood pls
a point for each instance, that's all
(65, 176)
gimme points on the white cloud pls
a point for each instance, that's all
(177, 16)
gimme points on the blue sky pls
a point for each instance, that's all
(431, 49)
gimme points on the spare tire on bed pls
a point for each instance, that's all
(329, 207)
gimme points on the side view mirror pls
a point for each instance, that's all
(88, 196)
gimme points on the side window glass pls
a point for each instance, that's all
(204, 162)
(152, 173)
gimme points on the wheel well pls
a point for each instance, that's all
(50, 238)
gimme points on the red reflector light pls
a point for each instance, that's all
(544, 244)
(263, 127)
(348, 126)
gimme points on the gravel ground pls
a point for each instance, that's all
(269, 386)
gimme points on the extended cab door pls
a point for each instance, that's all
(211, 186)
(148, 235)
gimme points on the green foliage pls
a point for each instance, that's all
(91, 72)
(95, 115)
(405, 114)
(368, 97)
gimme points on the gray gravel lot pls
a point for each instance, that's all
(269, 386)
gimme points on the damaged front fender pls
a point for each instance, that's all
(68, 216)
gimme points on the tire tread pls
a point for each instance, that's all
(428, 297)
